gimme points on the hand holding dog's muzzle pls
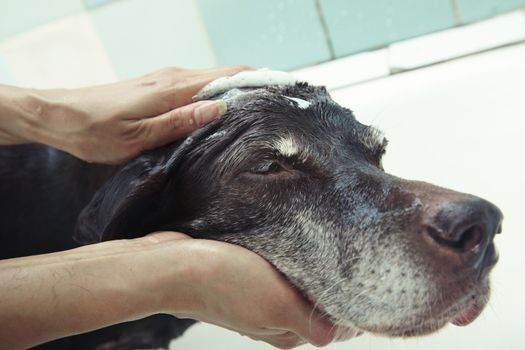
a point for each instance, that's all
(234, 288)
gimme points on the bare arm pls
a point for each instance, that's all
(115, 122)
(54, 295)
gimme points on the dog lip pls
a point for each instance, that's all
(463, 317)
(467, 315)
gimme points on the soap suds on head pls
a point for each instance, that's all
(303, 104)
(218, 134)
(246, 79)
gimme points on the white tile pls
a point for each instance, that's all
(346, 71)
(65, 53)
(456, 42)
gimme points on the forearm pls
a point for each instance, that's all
(13, 117)
(55, 295)
(24, 114)
(115, 122)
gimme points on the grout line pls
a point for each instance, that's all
(344, 86)
(326, 31)
(457, 13)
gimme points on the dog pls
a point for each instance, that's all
(289, 174)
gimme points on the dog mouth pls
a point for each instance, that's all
(465, 316)
(461, 314)
(468, 314)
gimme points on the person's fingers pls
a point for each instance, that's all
(216, 73)
(180, 122)
(182, 93)
(317, 330)
(310, 325)
(287, 340)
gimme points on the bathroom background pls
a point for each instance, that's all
(445, 79)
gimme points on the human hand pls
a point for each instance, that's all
(234, 288)
(94, 286)
(115, 122)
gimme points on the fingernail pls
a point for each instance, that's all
(209, 112)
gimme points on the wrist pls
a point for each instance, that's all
(23, 112)
(48, 117)
(174, 277)
(13, 115)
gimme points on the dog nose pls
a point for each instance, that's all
(464, 230)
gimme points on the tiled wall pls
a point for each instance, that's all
(355, 26)
(53, 42)
(280, 34)
(141, 35)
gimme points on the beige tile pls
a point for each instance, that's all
(64, 53)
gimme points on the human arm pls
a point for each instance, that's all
(114, 122)
(49, 296)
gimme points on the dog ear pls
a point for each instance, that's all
(133, 201)
(139, 198)
(126, 204)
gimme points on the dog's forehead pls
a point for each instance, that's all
(284, 93)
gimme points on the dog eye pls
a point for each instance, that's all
(268, 168)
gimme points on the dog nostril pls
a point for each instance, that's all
(470, 238)
(462, 233)
(463, 242)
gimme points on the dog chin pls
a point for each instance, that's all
(461, 314)
(428, 326)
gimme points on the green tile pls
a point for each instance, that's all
(143, 35)
(5, 75)
(363, 25)
(279, 34)
(473, 10)
(20, 15)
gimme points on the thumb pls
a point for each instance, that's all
(181, 122)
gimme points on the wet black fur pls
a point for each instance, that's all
(206, 186)
(46, 195)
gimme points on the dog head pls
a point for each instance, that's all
(294, 177)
